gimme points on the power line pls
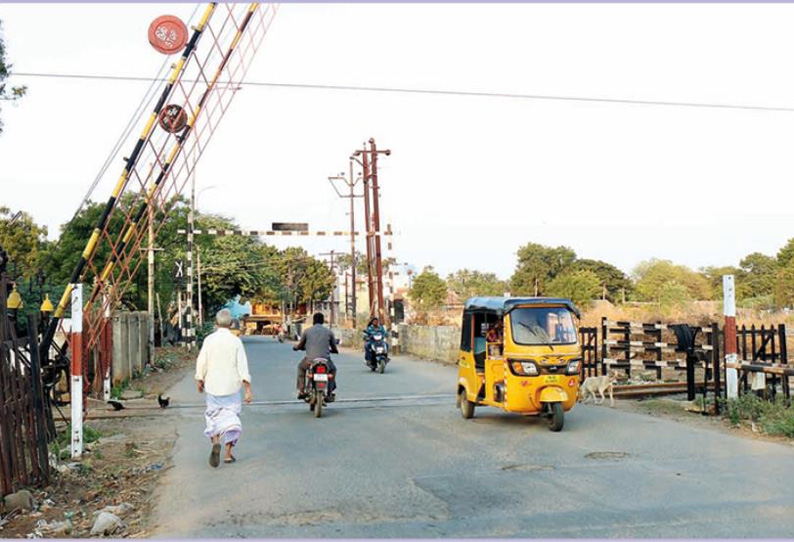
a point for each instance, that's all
(505, 95)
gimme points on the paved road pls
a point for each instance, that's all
(415, 468)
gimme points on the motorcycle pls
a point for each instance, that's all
(318, 386)
(377, 355)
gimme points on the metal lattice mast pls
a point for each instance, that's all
(202, 85)
(132, 161)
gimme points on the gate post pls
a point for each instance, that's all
(76, 390)
(729, 303)
(715, 364)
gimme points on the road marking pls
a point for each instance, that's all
(301, 402)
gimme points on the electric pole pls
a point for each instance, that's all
(150, 290)
(372, 220)
(190, 228)
(351, 182)
(332, 320)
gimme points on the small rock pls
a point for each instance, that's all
(118, 510)
(131, 394)
(54, 529)
(107, 524)
(21, 500)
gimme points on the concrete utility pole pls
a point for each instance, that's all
(190, 229)
(150, 292)
(332, 320)
(351, 182)
(198, 276)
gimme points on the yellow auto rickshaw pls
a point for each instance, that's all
(521, 355)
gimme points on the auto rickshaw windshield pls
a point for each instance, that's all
(542, 325)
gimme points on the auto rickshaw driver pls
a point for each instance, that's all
(530, 368)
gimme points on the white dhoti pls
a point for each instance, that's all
(223, 417)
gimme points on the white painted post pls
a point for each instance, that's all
(77, 371)
(106, 379)
(729, 303)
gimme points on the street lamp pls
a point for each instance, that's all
(14, 301)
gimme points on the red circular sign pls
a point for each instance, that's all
(168, 34)
(172, 118)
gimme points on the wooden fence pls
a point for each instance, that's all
(652, 346)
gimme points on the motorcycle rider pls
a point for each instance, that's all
(318, 342)
(373, 328)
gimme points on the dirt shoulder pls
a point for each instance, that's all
(126, 452)
(675, 408)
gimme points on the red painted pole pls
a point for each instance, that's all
(76, 389)
(729, 332)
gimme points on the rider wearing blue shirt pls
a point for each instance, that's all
(373, 328)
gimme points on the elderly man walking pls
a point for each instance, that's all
(221, 370)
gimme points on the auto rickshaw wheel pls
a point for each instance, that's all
(556, 417)
(466, 406)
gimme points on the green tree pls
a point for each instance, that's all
(759, 273)
(580, 286)
(673, 294)
(467, 283)
(614, 279)
(714, 276)
(231, 266)
(304, 278)
(783, 290)
(317, 282)
(63, 256)
(14, 93)
(537, 265)
(428, 290)
(24, 240)
(653, 278)
(786, 254)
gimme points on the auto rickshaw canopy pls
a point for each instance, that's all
(503, 305)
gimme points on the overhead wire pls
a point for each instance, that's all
(438, 92)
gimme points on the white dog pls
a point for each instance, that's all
(600, 384)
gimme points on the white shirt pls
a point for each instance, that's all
(222, 363)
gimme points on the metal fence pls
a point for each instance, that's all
(25, 415)
(588, 336)
(763, 360)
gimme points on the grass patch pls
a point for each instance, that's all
(61, 446)
(118, 389)
(772, 417)
(660, 405)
